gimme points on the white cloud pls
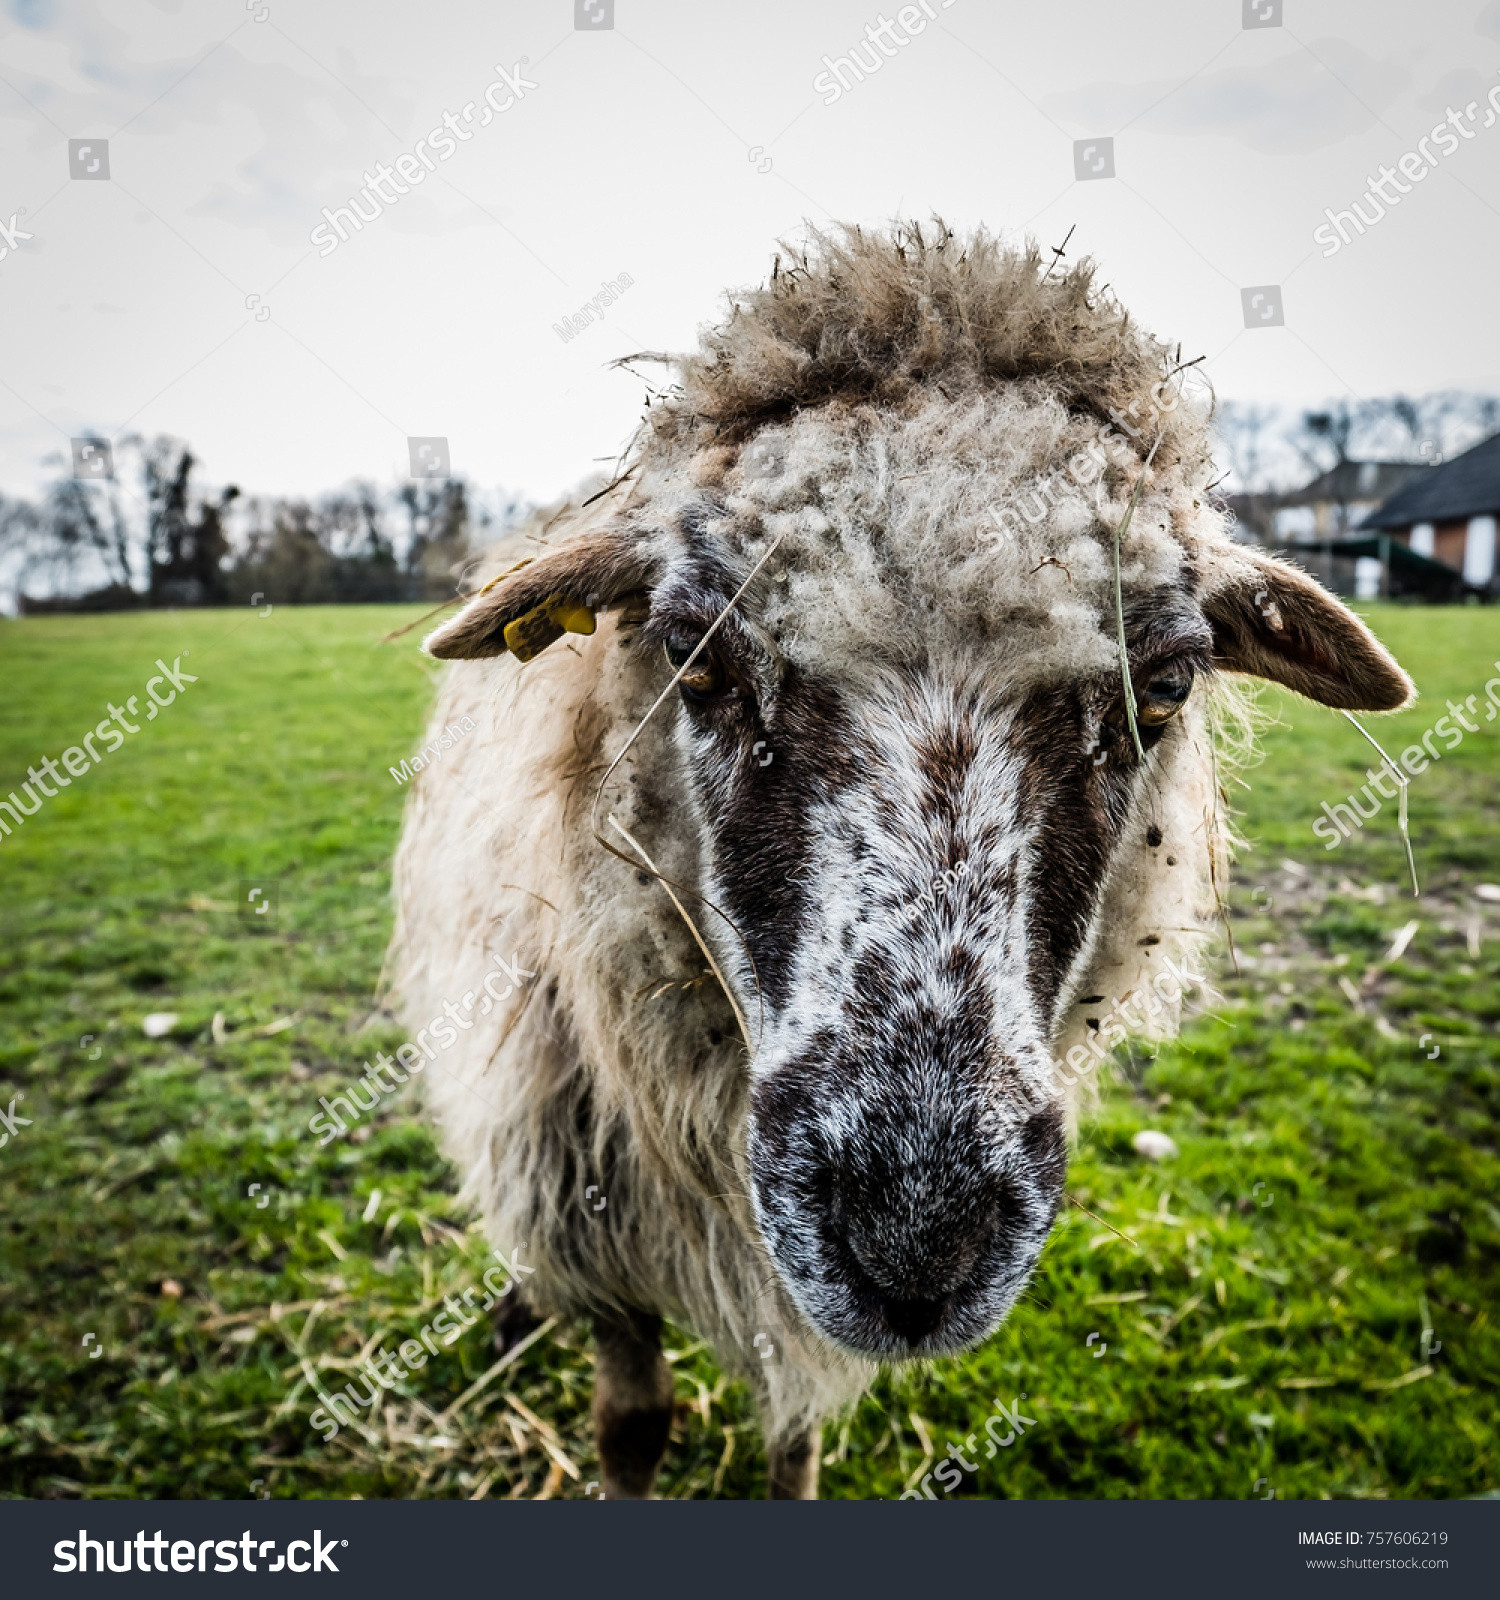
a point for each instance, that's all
(1299, 101)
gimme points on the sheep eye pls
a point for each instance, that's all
(704, 679)
(1164, 696)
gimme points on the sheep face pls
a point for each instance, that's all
(913, 854)
(875, 536)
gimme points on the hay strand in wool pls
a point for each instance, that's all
(1135, 495)
(1401, 816)
(708, 954)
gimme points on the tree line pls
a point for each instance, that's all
(151, 535)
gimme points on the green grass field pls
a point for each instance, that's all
(1301, 1303)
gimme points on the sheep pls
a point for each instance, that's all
(823, 819)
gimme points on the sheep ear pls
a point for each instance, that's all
(535, 603)
(1272, 620)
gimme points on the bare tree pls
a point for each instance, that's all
(1244, 428)
(1428, 428)
(88, 528)
(1323, 437)
(186, 543)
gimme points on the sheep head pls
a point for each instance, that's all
(907, 756)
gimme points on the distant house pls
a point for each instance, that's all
(1250, 515)
(1327, 508)
(1389, 528)
(1336, 501)
(1449, 514)
(1315, 524)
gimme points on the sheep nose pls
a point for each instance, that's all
(913, 1320)
(917, 1267)
(910, 1270)
(905, 1227)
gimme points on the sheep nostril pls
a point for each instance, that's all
(914, 1319)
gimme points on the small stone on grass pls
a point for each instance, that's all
(1153, 1145)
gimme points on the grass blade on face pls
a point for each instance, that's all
(1135, 495)
(1401, 816)
(708, 954)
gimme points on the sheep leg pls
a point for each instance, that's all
(792, 1466)
(632, 1402)
(512, 1319)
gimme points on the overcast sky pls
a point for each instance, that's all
(182, 294)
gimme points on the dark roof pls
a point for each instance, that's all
(1467, 486)
(1356, 480)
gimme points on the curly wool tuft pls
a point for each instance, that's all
(889, 318)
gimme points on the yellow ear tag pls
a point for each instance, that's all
(534, 630)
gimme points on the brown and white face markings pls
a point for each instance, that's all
(906, 1146)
